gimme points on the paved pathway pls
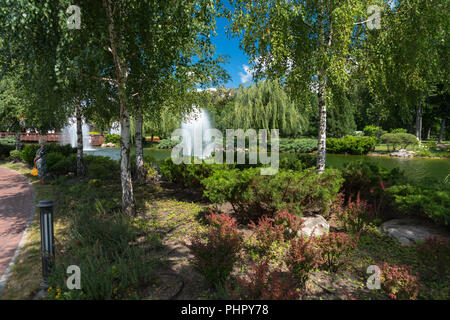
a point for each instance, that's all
(15, 209)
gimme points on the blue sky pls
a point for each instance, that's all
(237, 59)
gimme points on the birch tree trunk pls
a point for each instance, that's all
(128, 205)
(322, 134)
(81, 169)
(419, 122)
(441, 132)
(140, 167)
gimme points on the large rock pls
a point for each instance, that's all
(403, 153)
(316, 226)
(408, 231)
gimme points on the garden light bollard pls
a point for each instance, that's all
(47, 238)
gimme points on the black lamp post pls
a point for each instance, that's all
(47, 238)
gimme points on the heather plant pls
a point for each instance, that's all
(334, 248)
(434, 253)
(263, 284)
(216, 252)
(302, 258)
(399, 282)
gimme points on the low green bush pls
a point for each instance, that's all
(14, 155)
(298, 145)
(351, 145)
(432, 201)
(29, 151)
(112, 138)
(299, 162)
(167, 144)
(65, 165)
(253, 195)
(52, 159)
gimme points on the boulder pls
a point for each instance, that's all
(408, 231)
(403, 153)
(316, 225)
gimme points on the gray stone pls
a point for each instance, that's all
(316, 226)
(403, 153)
(408, 231)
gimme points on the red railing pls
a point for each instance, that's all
(96, 139)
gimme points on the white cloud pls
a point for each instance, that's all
(247, 76)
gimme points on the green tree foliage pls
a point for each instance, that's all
(267, 106)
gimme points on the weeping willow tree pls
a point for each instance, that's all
(267, 106)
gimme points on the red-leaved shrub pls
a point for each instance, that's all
(356, 215)
(301, 258)
(282, 227)
(216, 254)
(434, 253)
(267, 232)
(263, 284)
(399, 282)
(334, 247)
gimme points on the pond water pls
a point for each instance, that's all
(415, 168)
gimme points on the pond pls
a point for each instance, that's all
(415, 168)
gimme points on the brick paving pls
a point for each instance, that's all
(15, 208)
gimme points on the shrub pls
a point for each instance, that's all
(431, 201)
(215, 256)
(355, 216)
(65, 165)
(299, 162)
(370, 181)
(253, 195)
(399, 282)
(351, 145)
(263, 284)
(434, 253)
(29, 152)
(298, 145)
(373, 131)
(334, 247)
(187, 175)
(167, 144)
(112, 138)
(52, 159)
(14, 155)
(399, 139)
(266, 232)
(301, 259)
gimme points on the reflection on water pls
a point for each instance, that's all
(414, 168)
